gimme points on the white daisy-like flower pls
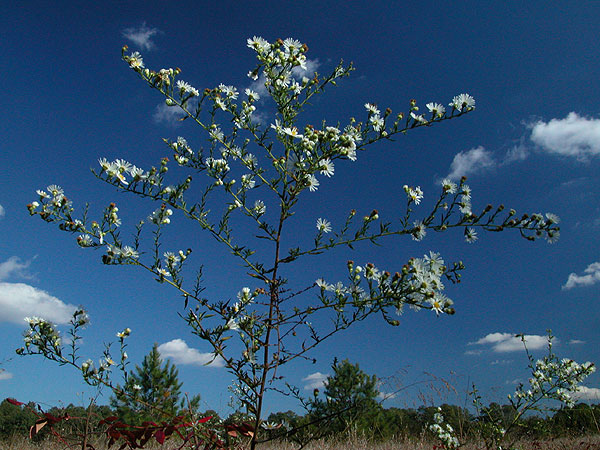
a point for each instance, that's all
(292, 44)
(252, 96)
(377, 122)
(463, 101)
(230, 91)
(259, 207)
(323, 225)
(418, 117)
(449, 186)
(466, 192)
(371, 108)
(470, 235)
(186, 88)
(415, 194)
(258, 43)
(55, 190)
(136, 61)
(326, 167)
(436, 109)
(313, 183)
(293, 132)
(322, 284)
(552, 218)
(419, 231)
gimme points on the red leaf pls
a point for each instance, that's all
(14, 402)
(35, 429)
(205, 419)
(160, 436)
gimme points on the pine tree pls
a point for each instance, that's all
(152, 392)
(350, 400)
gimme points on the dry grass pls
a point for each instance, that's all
(356, 443)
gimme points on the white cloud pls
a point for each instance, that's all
(180, 353)
(4, 375)
(2, 212)
(141, 36)
(473, 352)
(14, 267)
(18, 300)
(170, 115)
(517, 153)
(586, 393)
(501, 362)
(472, 161)
(508, 342)
(315, 381)
(592, 276)
(573, 136)
(576, 342)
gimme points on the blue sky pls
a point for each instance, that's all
(533, 144)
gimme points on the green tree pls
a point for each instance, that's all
(349, 401)
(152, 392)
(15, 420)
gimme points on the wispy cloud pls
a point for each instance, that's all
(573, 136)
(591, 276)
(315, 381)
(2, 212)
(469, 162)
(141, 36)
(14, 267)
(508, 342)
(586, 393)
(18, 300)
(169, 115)
(181, 353)
(5, 375)
(576, 342)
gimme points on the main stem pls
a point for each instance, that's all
(273, 299)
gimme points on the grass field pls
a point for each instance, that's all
(583, 443)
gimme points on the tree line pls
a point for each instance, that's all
(348, 404)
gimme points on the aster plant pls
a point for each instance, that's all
(254, 172)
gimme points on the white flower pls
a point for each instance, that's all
(252, 96)
(186, 88)
(377, 122)
(449, 186)
(326, 167)
(293, 132)
(135, 61)
(372, 109)
(229, 91)
(232, 324)
(436, 109)
(418, 233)
(463, 101)
(418, 117)
(259, 44)
(259, 207)
(552, 218)
(414, 194)
(323, 225)
(470, 235)
(313, 183)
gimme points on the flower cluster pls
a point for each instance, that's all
(161, 216)
(119, 169)
(444, 432)
(419, 284)
(556, 379)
